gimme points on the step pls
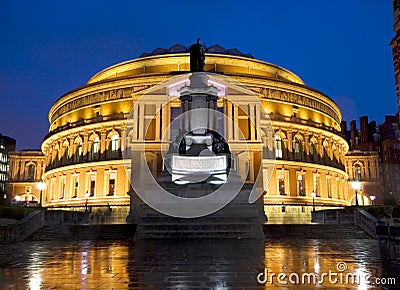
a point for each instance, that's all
(85, 232)
(314, 231)
(127, 231)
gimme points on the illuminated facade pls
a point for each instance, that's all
(26, 171)
(374, 156)
(7, 144)
(84, 147)
(362, 167)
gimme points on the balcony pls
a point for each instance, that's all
(83, 122)
(74, 159)
(307, 158)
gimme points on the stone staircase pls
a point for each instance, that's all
(206, 227)
(238, 219)
(185, 230)
(84, 232)
(314, 231)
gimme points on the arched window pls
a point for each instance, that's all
(114, 145)
(313, 151)
(65, 155)
(278, 146)
(78, 152)
(94, 152)
(326, 152)
(80, 148)
(297, 148)
(357, 172)
(54, 154)
(31, 172)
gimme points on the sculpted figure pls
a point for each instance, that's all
(197, 57)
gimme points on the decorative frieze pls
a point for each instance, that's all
(302, 100)
(93, 99)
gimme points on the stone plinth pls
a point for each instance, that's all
(238, 219)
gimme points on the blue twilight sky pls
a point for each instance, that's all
(48, 48)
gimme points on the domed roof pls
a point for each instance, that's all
(179, 48)
(176, 59)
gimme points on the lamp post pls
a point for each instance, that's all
(87, 194)
(356, 186)
(41, 185)
(313, 194)
(372, 197)
(17, 199)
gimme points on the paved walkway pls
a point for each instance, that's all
(192, 264)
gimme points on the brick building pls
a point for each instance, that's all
(383, 141)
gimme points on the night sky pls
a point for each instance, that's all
(48, 48)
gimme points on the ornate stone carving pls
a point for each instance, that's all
(300, 100)
(92, 99)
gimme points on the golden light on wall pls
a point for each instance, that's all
(96, 114)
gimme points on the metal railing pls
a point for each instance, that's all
(372, 226)
(333, 216)
(71, 160)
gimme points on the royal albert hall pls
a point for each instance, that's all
(85, 144)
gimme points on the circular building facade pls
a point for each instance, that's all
(84, 146)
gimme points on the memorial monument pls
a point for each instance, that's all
(198, 194)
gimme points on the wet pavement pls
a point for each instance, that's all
(200, 264)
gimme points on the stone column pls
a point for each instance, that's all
(270, 140)
(71, 147)
(85, 146)
(123, 141)
(290, 145)
(251, 120)
(185, 108)
(229, 125)
(236, 122)
(351, 171)
(158, 122)
(320, 148)
(141, 121)
(134, 123)
(210, 113)
(364, 170)
(103, 135)
(212, 107)
(164, 121)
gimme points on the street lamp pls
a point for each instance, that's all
(313, 194)
(356, 186)
(87, 194)
(41, 185)
(372, 197)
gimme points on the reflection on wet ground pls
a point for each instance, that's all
(188, 264)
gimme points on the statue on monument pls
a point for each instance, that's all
(197, 57)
